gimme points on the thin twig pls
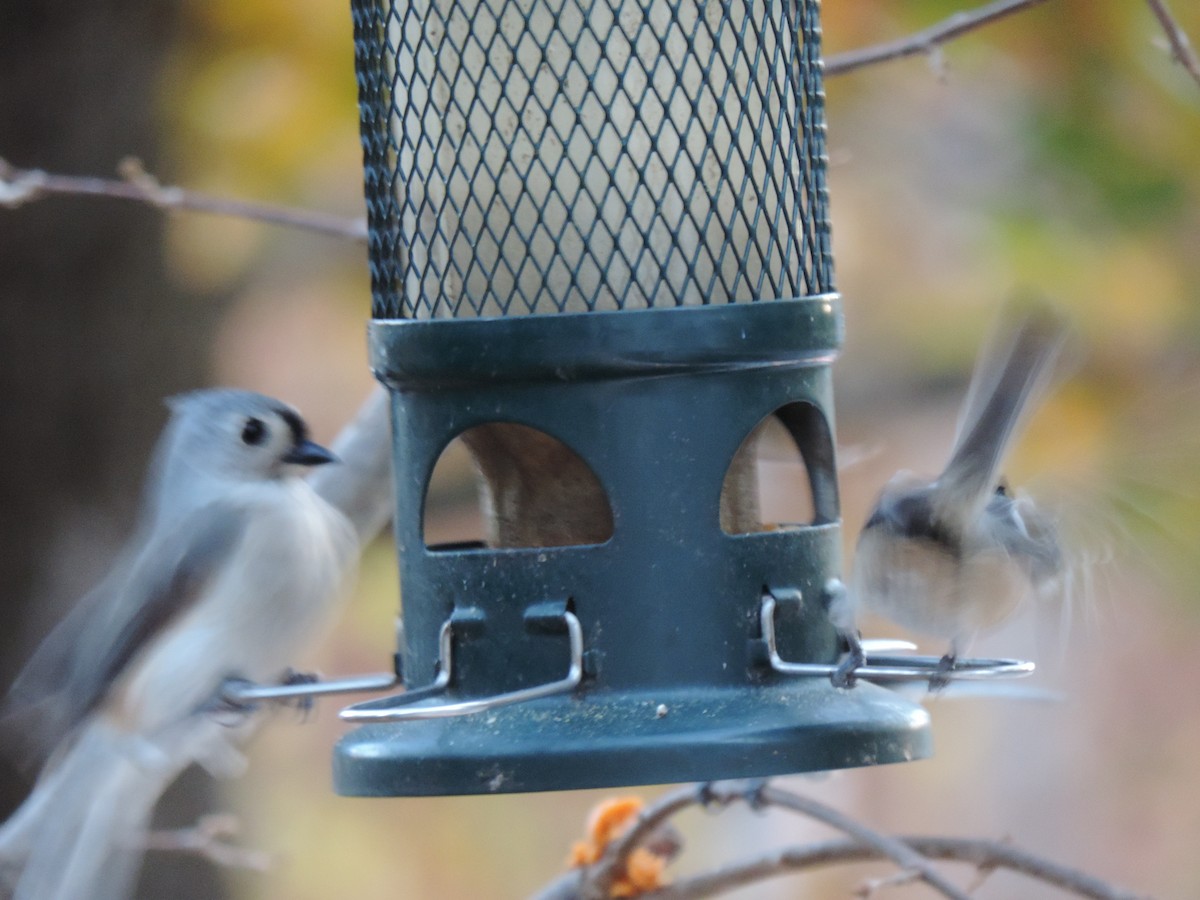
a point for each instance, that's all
(567, 886)
(599, 879)
(665, 842)
(911, 853)
(19, 186)
(980, 853)
(873, 886)
(926, 41)
(896, 850)
(1181, 47)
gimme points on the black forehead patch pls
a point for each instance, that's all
(295, 423)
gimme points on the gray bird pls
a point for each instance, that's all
(234, 566)
(955, 555)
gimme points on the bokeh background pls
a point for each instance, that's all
(1058, 151)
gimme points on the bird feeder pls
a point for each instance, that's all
(602, 227)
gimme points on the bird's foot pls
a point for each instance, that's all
(856, 658)
(940, 680)
(226, 707)
(752, 793)
(304, 703)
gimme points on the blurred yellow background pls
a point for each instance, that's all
(1057, 151)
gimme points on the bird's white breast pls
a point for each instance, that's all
(915, 584)
(269, 599)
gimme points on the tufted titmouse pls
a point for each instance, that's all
(955, 555)
(235, 563)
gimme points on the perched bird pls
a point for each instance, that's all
(234, 565)
(955, 555)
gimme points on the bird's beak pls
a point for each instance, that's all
(307, 453)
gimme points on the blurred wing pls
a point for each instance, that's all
(72, 670)
(1013, 368)
(1027, 534)
(33, 707)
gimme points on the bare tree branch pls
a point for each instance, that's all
(980, 853)
(911, 853)
(1181, 47)
(928, 40)
(890, 847)
(19, 186)
(598, 881)
(360, 487)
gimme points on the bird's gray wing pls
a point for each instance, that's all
(74, 667)
(1013, 369)
(1027, 534)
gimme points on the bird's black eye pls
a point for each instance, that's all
(254, 432)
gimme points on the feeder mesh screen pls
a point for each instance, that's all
(543, 156)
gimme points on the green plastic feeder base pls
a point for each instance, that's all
(562, 743)
(675, 685)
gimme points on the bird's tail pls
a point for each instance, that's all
(79, 833)
(1009, 378)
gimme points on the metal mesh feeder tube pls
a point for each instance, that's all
(599, 255)
(534, 156)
